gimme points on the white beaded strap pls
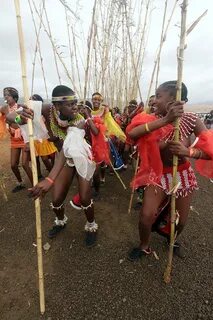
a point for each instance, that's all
(56, 208)
(61, 222)
(91, 226)
(89, 206)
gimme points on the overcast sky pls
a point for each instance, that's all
(198, 65)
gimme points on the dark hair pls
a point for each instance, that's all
(36, 97)
(152, 96)
(171, 86)
(87, 103)
(133, 102)
(96, 93)
(11, 92)
(62, 91)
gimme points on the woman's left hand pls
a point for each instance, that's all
(178, 149)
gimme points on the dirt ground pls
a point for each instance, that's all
(100, 283)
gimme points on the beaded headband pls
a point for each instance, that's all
(64, 98)
(97, 96)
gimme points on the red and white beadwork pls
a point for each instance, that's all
(186, 178)
(187, 126)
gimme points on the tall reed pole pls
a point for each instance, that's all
(163, 39)
(89, 41)
(180, 59)
(132, 53)
(33, 158)
(37, 48)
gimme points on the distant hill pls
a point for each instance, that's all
(200, 107)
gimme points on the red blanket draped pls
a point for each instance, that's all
(100, 148)
(205, 143)
(151, 167)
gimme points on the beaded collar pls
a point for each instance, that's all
(61, 131)
(99, 112)
(187, 125)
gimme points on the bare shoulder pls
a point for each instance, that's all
(46, 110)
(4, 109)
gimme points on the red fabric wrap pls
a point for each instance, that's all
(151, 166)
(205, 143)
(100, 148)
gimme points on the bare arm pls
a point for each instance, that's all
(152, 126)
(179, 149)
(175, 111)
(44, 186)
(92, 126)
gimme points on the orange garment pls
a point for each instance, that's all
(3, 128)
(44, 148)
(16, 139)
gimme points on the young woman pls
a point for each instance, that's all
(74, 158)
(154, 136)
(16, 141)
(45, 148)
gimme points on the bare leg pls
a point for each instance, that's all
(38, 167)
(25, 164)
(86, 201)
(47, 162)
(15, 157)
(60, 190)
(85, 193)
(96, 179)
(183, 207)
(153, 197)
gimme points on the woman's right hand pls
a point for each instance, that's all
(40, 189)
(26, 113)
(175, 110)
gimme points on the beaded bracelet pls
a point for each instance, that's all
(195, 153)
(18, 119)
(147, 128)
(49, 180)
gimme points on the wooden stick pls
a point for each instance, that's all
(89, 41)
(133, 187)
(52, 42)
(118, 176)
(37, 48)
(33, 159)
(3, 188)
(161, 41)
(193, 25)
(180, 58)
(132, 53)
(158, 53)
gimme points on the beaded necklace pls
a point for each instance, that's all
(187, 125)
(59, 131)
(99, 112)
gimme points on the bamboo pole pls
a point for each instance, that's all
(133, 187)
(69, 41)
(159, 52)
(76, 61)
(3, 188)
(89, 41)
(33, 158)
(161, 41)
(132, 53)
(180, 59)
(53, 46)
(37, 48)
(55, 51)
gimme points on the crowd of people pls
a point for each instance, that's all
(83, 138)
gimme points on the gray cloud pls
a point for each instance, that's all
(198, 56)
